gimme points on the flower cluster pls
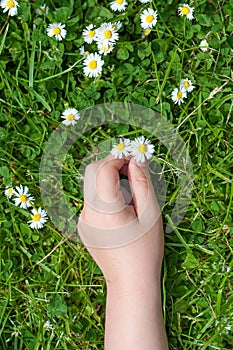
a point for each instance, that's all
(178, 94)
(105, 38)
(140, 148)
(23, 199)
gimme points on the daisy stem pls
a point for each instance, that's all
(31, 64)
(26, 38)
(4, 38)
(40, 98)
(59, 74)
(184, 27)
(166, 76)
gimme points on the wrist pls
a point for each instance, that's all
(145, 285)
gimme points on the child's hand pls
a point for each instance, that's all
(126, 240)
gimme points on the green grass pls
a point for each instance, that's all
(47, 277)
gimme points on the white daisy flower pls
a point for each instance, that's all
(148, 18)
(118, 5)
(93, 65)
(141, 149)
(144, 1)
(178, 96)
(105, 48)
(106, 33)
(186, 85)
(83, 52)
(117, 25)
(39, 217)
(9, 5)
(122, 148)
(9, 191)
(70, 116)
(186, 10)
(57, 30)
(204, 46)
(48, 325)
(89, 34)
(42, 10)
(146, 32)
(23, 197)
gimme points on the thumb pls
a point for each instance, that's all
(144, 199)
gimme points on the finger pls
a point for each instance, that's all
(102, 185)
(108, 179)
(143, 194)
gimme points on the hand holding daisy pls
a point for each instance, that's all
(126, 241)
(140, 148)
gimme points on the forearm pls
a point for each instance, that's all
(134, 318)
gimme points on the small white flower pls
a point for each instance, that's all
(186, 10)
(93, 65)
(141, 149)
(42, 10)
(83, 52)
(9, 191)
(146, 32)
(122, 148)
(70, 116)
(118, 5)
(178, 96)
(39, 217)
(9, 5)
(204, 46)
(57, 30)
(48, 325)
(144, 1)
(148, 18)
(22, 197)
(107, 34)
(89, 34)
(186, 85)
(117, 25)
(105, 48)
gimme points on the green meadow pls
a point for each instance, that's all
(52, 294)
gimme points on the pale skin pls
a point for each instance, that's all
(134, 319)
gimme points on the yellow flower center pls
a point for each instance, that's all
(120, 146)
(70, 117)
(36, 217)
(91, 33)
(142, 148)
(92, 64)
(149, 18)
(179, 95)
(107, 34)
(10, 190)
(42, 9)
(185, 10)
(23, 198)
(106, 48)
(147, 31)
(119, 1)
(56, 31)
(10, 4)
(186, 84)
